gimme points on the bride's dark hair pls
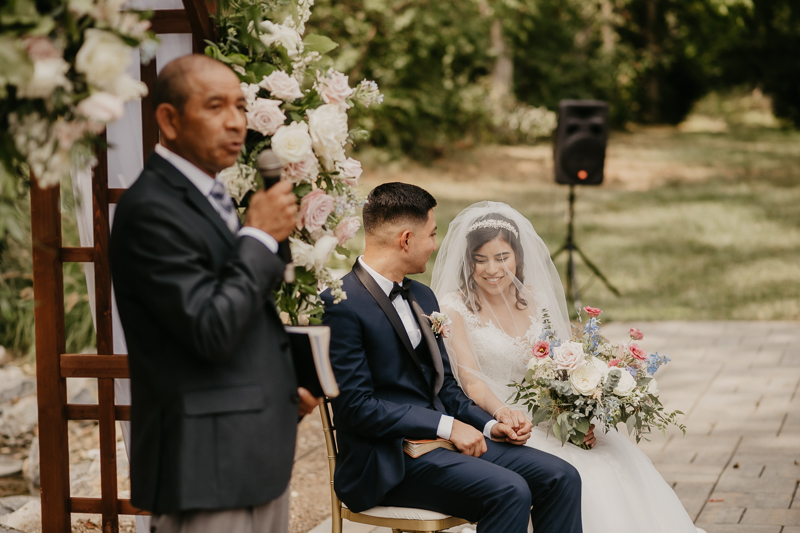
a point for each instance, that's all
(494, 226)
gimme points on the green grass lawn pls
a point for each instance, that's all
(689, 226)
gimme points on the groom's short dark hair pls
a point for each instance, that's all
(392, 202)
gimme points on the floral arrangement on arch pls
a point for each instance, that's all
(297, 106)
(63, 78)
(571, 383)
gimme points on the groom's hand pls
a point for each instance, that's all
(467, 439)
(504, 433)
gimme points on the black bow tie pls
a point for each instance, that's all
(400, 289)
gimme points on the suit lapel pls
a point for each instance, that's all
(387, 308)
(433, 346)
(202, 204)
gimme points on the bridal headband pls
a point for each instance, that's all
(494, 223)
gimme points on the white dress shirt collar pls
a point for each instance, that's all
(199, 179)
(384, 283)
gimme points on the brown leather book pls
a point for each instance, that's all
(415, 448)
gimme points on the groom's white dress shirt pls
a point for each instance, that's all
(415, 335)
(204, 183)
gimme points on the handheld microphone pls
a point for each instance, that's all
(270, 167)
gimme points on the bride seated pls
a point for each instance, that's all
(493, 276)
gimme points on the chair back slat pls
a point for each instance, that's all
(330, 443)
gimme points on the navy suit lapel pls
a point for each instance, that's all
(175, 178)
(387, 308)
(433, 346)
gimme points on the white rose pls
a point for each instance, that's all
(585, 379)
(250, 92)
(349, 171)
(265, 116)
(601, 365)
(281, 85)
(626, 384)
(48, 74)
(334, 89)
(292, 144)
(313, 257)
(238, 180)
(101, 108)
(285, 36)
(323, 250)
(328, 127)
(568, 356)
(536, 362)
(128, 88)
(103, 58)
(652, 386)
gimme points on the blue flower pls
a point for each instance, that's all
(655, 361)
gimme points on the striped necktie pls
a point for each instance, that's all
(224, 206)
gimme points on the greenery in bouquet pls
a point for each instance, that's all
(297, 105)
(571, 384)
(63, 78)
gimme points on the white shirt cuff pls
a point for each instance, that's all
(445, 427)
(265, 238)
(487, 429)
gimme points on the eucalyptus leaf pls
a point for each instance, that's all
(318, 43)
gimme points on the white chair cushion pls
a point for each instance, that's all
(406, 513)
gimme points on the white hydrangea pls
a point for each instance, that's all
(238, 180)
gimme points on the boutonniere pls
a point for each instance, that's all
(440, 324)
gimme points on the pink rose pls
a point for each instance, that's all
(281, 85)
(307, 169)
(636, 334)
(444, 331)
(541, 349)
(350, 170)
(314, 210)
(592, 311)
(334, 89)
(636, 351)
(613, 363)
(265, 116)
(569, 356)
(347, 229)
(101, 108)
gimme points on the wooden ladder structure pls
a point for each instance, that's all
(53, 366)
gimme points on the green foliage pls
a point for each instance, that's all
(428, 62)
(16, 277)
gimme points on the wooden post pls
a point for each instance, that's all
(48, 290)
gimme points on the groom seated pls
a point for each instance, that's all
(396, 383)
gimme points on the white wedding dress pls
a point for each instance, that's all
(622, 491)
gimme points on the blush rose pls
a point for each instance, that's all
(314, 210)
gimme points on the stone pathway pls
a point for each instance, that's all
(737, 470)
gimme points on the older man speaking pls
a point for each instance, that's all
(215, 400)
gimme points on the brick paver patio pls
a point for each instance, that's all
(737, 470)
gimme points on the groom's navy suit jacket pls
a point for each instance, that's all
(386, 395)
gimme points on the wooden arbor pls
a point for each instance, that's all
(53, 366)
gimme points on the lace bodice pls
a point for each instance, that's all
(501, 357)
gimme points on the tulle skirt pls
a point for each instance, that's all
(622, 492)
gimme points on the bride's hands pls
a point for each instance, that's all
(589, 439)
(516, 420)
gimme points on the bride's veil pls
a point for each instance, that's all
(535, 290)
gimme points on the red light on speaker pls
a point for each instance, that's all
(582, 174)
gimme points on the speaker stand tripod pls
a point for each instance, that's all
(571, 247)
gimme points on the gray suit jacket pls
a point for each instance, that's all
(214, 409)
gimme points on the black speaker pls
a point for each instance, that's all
(580, 142)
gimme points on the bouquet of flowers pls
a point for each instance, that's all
(296, 105)
(63, 78)
(570, 383)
